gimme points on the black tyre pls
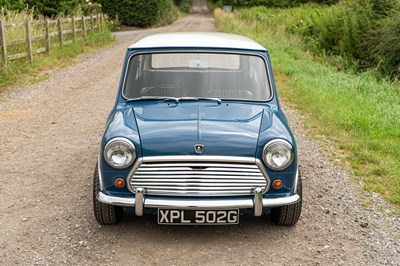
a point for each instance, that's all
(290, 214)
(105, 214)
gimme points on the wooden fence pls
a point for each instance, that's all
(54, 34)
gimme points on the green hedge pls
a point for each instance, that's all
(184, 5)
(48, 8)
(385, 41)
(142, 13)
(271, 3)
(366, 31)
(12, 4)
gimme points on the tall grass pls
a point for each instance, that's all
(21, 71)
(363, 31)
(358, 114)
(357, 35)
(12, 17)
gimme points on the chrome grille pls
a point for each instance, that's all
(198, 178)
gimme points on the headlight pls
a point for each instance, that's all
(278, 154)
(119, 153)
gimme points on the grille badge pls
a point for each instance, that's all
(199, 148)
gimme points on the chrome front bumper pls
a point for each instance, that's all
(142, 201)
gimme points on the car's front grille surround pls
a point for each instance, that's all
(192, 177)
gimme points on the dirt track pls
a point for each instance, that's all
(49, 140)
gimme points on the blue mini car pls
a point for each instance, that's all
(197, 135)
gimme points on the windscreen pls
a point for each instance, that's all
(198, 75)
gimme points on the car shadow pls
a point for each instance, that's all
(146, 227)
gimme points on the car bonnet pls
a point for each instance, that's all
(229, 129)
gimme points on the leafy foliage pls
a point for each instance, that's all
(366, 31)
(272, 3)
(12, 4)
(140, 13)
(386, 45)
(50, 8)
(184, 5)
(363, 32)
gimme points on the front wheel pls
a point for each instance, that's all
(105, 214)
(290, 214)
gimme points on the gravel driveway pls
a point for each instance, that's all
(49, 141)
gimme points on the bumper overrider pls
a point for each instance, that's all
(255, 200)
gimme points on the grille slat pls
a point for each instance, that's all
(157, 165)
(194, 172)
(198, 184)
(199, 188)
(202, 180)
(215, 177)
(211, 169)
(206, 193)
(198, 179)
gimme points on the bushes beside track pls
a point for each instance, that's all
(141, 13)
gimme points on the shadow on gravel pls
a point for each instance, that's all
(248, 229)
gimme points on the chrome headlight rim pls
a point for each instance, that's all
(123, 141)
(269, 145)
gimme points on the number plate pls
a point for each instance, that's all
(198, 217)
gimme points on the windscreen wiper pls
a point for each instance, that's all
(176, 100)
(201, 98)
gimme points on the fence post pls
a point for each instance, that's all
(28, 39)
(47, 35)
(101, 22)
(98, 22)
(60, 34)
(84, 27)
(3, 42)
(91, 22)
(74, 27)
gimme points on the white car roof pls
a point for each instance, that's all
(197, 40)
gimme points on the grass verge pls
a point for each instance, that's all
(359, 115)
(22, 72)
